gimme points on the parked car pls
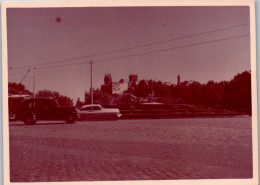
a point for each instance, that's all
(96, 111)
(14, 103)
(34, 109)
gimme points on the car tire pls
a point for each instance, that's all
(30, 119)
(70, 119)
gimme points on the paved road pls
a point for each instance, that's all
(198, 148)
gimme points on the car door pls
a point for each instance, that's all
(85, 113)
(96, 112)
(41, 109)
(52, 110)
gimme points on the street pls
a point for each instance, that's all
(138, 149)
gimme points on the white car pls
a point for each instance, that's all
(96, 111)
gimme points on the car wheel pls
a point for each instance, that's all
(70, 119)
(30, 119)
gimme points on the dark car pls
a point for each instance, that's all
(34, 109)
(14, 103)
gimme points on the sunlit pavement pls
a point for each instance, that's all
(152, 149)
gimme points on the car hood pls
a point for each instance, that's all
(103, 110)
(110, 110)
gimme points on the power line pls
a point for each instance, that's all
(18, 73)
(139, 46)
(25, 75)
(144, 53)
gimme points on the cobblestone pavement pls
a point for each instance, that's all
(144, 149)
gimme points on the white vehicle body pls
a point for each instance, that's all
(96, 111)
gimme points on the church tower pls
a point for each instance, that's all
(178, 79)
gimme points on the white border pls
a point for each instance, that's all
(112, 3)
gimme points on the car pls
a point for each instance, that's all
(14, 103)
(96, 111)
(34, 109)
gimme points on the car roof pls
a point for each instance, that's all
(19, 96)
(90, 105)
(40, 98)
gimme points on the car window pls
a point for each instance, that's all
(53, 104)
(86, 108)
(15, 102)
(41, 104)
(28, 104)
(96, 108)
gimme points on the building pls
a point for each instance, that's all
(107, 87)
(133, 78)
(108, 79)
(167, 83)
(118, 87)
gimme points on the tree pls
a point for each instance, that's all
(237, 93)
(142, 89)
(79, 103)
(63, 100)
(99, 97)
(212, 94)
(18, 89)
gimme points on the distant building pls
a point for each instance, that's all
(133, 78)
(167, 83)
(107, 79)
(178, 79)
(107, 87)
(118, 87)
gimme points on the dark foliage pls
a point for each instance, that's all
(237, 93)
(17, 89)
(99, 97)
(63, 100)
(233, 95)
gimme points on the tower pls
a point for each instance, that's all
(107, 79)
(107, 87)
(133, 78)
(178, 79)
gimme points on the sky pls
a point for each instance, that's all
(213, 44)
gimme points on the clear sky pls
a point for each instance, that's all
(47, 35)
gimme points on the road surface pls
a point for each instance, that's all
(141, 149)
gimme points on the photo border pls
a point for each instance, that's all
(132, 3)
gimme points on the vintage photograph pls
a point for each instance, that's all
(129, 93)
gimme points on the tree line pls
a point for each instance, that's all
(230, 95)
(19, 89)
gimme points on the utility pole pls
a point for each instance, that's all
(91, 88)
(34, 82)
